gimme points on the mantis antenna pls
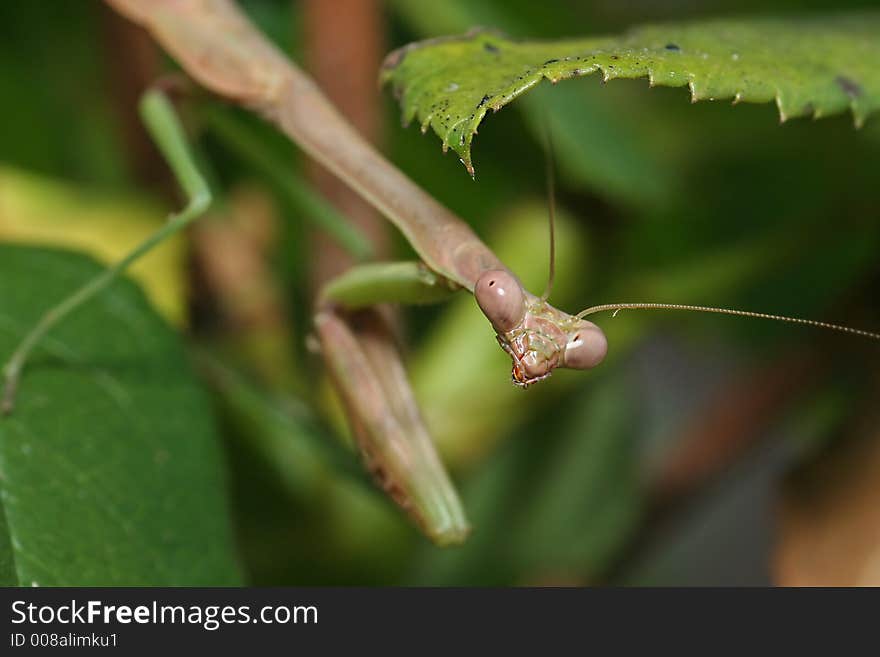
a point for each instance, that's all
(617, 307)
(551, 209)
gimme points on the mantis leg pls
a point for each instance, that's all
(400, 282)
(159, 116)
(367, 372)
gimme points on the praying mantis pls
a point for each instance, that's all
(221, 50)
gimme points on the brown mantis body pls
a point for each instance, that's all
(220, 49)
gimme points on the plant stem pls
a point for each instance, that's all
(164, 126)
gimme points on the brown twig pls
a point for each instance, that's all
(344, 44)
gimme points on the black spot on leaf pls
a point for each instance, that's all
(849, 87)
(673, 47)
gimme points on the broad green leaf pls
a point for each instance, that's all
(809, 67)
(110, 468)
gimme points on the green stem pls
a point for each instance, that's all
(164, 126)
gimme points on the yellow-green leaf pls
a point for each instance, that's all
(39, 210)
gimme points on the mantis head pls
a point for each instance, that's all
(537, 336)
(540, 338)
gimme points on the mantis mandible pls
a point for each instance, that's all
(220, 49)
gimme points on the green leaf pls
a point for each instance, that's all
(630, 161)
(110, 467)
(809, 67)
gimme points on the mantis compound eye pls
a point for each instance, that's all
(501, 299)
(586, 347)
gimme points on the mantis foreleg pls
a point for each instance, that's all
(400, 282)
(368, 374)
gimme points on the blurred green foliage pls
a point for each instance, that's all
(727, 208)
